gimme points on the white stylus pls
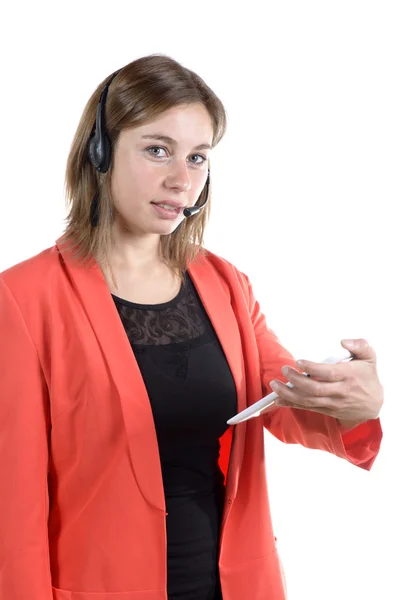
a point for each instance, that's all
(255, 409)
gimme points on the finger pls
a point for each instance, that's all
(361, 349)
(323, 371)
(311, 387)
(292, 395)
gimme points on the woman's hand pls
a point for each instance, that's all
(351, 392)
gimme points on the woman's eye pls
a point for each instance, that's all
(154, 151)
(203, 159)
(152, 148)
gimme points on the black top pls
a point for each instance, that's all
(192, 395)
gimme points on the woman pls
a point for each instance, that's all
(126, 348)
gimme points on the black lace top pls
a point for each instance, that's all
(192, 395)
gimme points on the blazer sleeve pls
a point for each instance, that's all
(24, 427)
(359, 446)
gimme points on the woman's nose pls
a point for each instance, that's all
(179, 178)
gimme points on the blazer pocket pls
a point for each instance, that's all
(137, 595)
(256, 579)
(61, 594)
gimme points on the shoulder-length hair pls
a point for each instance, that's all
(141, 91)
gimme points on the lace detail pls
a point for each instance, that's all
(177, 321)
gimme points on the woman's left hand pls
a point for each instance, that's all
(351, 391)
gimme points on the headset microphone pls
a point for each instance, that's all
(189, 212)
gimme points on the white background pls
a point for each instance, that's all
(305, 201)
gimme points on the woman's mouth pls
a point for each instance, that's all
(167, 211)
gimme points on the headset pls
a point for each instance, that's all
(99, 152)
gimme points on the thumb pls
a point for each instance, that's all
(360, 348)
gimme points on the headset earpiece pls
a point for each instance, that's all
(99, 149)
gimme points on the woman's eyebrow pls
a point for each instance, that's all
(169, 140)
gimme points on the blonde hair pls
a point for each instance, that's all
(141, 91)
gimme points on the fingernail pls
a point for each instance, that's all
(274, 385)
(349, 343)
(285, 371)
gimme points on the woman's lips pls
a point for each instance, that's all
(167, 213)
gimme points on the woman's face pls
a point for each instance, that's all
(149, 170)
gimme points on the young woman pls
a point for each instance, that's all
(125, 349)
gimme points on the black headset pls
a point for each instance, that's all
(99, 152)
(99, 142)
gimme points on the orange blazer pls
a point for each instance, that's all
(82, 510)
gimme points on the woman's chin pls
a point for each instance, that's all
(161, 227)
(167, 227)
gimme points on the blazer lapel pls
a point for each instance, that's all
(95, 295)
(209, 286)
